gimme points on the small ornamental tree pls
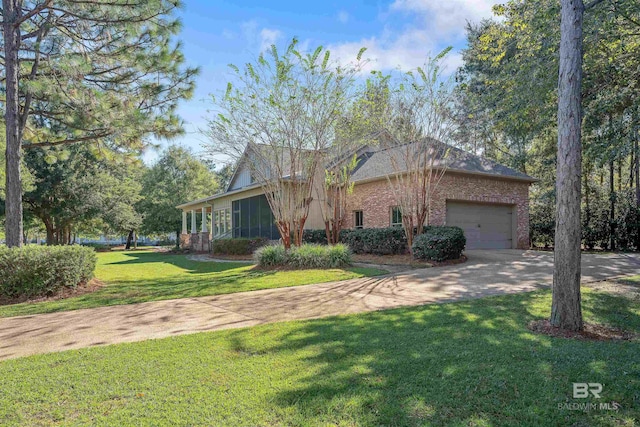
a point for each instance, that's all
(333, 196)
(419, 121)
(279, 119)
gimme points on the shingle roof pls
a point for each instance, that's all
(381, 162)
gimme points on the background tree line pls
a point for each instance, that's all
(507, 110)
(75, 192)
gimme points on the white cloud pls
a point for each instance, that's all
(259, 38)
(404, 51)
(446, 16)
(343, 17)
(268, 37)
(434, 25)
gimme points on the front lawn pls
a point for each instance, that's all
(140, 276)
(633, 280)
(470, 363)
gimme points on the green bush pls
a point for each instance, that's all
(318, 237)
(100, 247)
(305, 256)
(439, 244)
(239, 246)
(378, 241)
(270, 256)
(339, 255)
(33, 270)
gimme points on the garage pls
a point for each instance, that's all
(486, 226)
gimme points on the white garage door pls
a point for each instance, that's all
(485, 226)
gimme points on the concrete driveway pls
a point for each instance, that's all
(485, 273)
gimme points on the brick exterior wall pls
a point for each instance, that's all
(375, 199)
(198, 242)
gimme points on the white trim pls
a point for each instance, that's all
(204, 220)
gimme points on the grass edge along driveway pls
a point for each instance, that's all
(465, 363)
(141, 276)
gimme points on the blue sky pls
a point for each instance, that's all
(397, 34)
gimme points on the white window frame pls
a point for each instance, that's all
(222, 221)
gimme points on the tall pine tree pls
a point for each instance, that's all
(87, 70)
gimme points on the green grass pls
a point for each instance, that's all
(140, 276)
(467, 363)
(631, 280)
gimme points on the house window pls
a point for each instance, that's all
(252, 217)
(222, 221)
(358, 219)
(396, 216)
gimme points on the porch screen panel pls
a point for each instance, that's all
(252, 217)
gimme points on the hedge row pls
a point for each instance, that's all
(238, 246)
(305, 256)
(379, 241)
(439, 244)
(33, 271)
(318, 237)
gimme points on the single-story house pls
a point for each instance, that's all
(489, 201)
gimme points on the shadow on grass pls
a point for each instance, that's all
(469, 363)
(177, 260)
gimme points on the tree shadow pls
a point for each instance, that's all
(178, 260)
(468, 363)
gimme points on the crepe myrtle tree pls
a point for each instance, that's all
(87, 71)
(278, 118)
(333, 193)
(419, 121)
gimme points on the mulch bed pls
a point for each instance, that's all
(591, 332)
(92, 286)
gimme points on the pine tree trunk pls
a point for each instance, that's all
(612, 208)
(620, 174)
(13, 193)
(636, 165)
(587, 199)
(566, 311)
(636, 168)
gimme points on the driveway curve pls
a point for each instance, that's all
(485, 273)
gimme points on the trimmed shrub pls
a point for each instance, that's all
(339, 255)
(305, 256)
(238, 246)
(378, 241)
(99, 247)
(270, 256)
(318, 237)
(33, 270)
(439, 244)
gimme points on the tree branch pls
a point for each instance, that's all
(33, 12)
(592, 4)
(27, 146)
